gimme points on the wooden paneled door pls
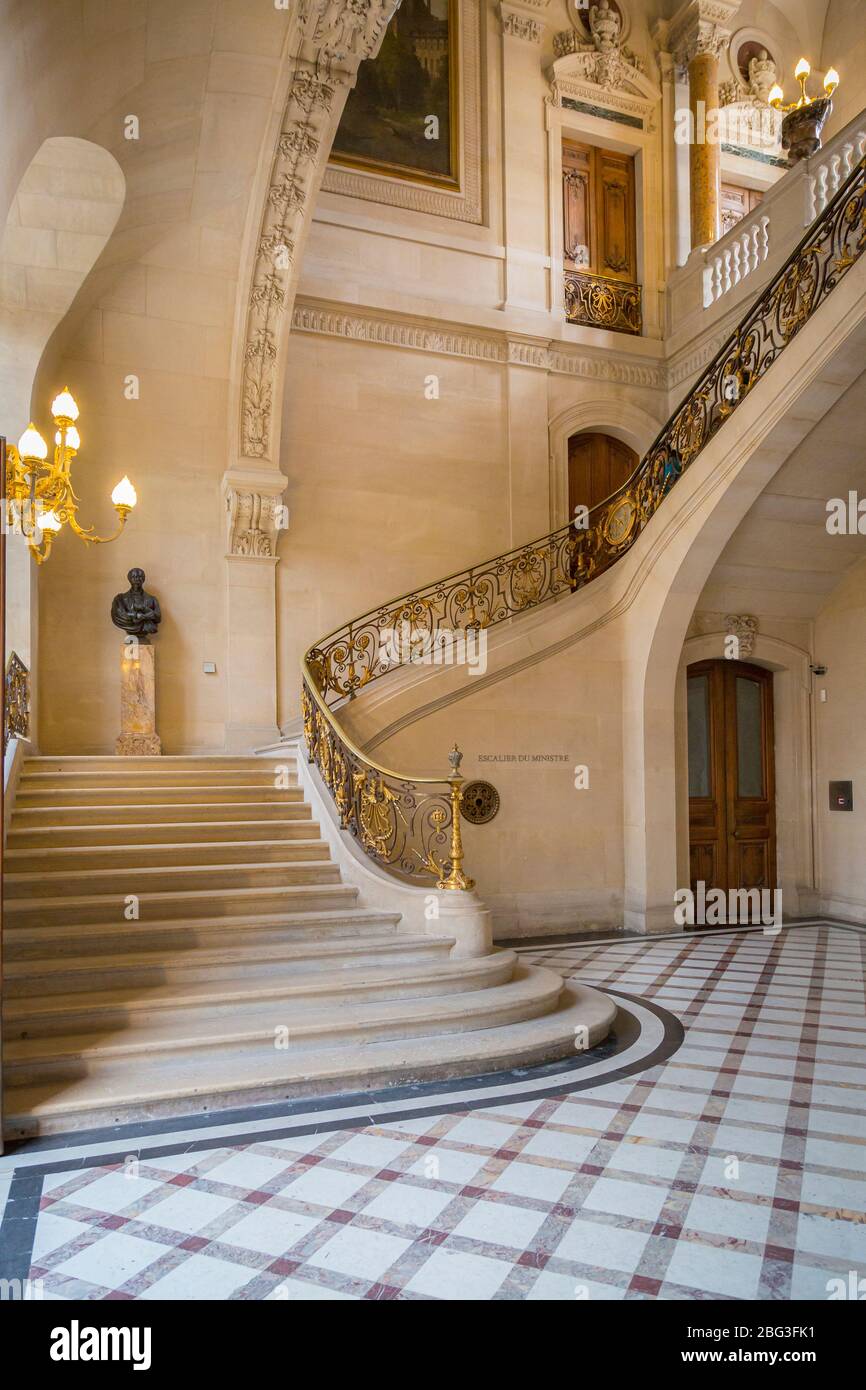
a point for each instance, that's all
(732, 784)
(597, 465)
(598, 211)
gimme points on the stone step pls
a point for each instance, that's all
(101, 1092)
(135, 797)
(265, 775)
(70, 763)
(65, 943)
(86, 858)
(187, 833)
(195, 903)
(192, 812)
(212, 1008)
(122, 881)
(309, 1023)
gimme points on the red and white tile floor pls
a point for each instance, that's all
(735, 1169)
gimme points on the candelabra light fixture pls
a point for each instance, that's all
(802, 72)
(805, 117)
(40, 499)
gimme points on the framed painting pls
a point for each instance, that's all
(402, 117)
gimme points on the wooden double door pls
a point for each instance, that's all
(598, 210)
(732, 783)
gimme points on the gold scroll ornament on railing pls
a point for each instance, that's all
(408, 824)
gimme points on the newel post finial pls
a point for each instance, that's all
(456, 878)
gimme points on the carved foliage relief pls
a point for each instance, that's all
(336, 36)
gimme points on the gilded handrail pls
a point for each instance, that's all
(402, 822)
(16, 700)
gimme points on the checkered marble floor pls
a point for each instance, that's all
(737, 1169)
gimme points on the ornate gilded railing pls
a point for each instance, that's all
(16, 700)
(410, 825)
(599, 301)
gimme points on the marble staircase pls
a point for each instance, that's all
(178, 937)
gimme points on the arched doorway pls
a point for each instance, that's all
(597, 465)
(732, 775)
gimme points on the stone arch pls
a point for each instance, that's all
(695, 524)
(63, 212)
(607, 413)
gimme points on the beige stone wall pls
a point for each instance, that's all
(166, 320)
(844, 47)
(387, 489)
(840, 737)
(552, 860)
(160, 306)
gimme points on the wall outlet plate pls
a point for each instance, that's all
(841, 796)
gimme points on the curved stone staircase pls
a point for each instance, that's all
(250, 972)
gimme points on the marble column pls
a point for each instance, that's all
(705, 172)
(697, 36)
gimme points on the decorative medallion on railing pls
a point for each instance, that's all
(597, 301)
(16, 700)
(480, 802)
(403, 822)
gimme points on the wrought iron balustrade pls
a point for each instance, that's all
(402, 822)
(599, 301)
(16, 700)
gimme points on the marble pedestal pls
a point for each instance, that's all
(138, 736)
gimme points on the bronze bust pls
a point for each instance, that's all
(135, 612)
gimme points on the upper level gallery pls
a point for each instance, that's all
(610, 176)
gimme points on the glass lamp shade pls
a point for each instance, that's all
(831, 81)
(802, 69)
(31, 445)
(64, 407)
(73, 438)
(124, 494)
(776, 94)
(48, 521)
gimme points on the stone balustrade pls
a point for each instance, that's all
(745, 246)
(829, 168)
(716, 280)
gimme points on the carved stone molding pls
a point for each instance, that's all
(517, 24)
(335, 35)
(448, 340)
(744, 627)
(254, 514)
(700, 26)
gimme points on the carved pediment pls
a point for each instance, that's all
(619, 87)
(594, 66)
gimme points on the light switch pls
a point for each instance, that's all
(209, 668)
